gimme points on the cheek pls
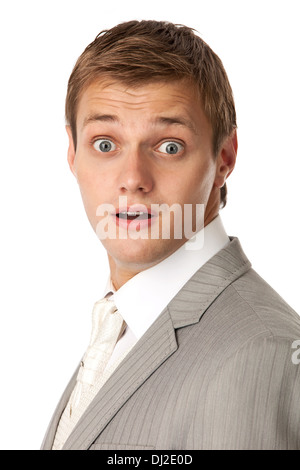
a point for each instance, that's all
(87, 177)
(90, 190)
(93, 176)
(87, 186)
(196, 185)
(84, 171)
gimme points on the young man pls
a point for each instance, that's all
(198, 351)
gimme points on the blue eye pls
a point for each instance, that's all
(104, 145)
(171, 148)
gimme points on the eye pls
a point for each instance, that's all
(171, 148)
(104, 145)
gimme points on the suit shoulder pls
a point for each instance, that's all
(247, 310)
(267, 305)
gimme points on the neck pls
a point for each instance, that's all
(118, 274)
(122, 273)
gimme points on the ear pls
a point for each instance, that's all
(71, 151)
(226, 159)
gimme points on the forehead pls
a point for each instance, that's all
(143, 102)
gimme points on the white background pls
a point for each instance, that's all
(53, 267)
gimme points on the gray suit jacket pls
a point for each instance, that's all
(214, 371)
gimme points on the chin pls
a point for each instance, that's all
(139, 254)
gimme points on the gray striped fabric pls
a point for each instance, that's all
(214, 371)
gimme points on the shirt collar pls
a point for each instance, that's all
(141, 299)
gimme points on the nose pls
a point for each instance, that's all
(136, 174)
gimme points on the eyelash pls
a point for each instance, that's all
(172, 141)
(101, 137)
(167, 140)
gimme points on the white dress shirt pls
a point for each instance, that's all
(141, 299)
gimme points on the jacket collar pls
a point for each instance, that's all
(208, 282)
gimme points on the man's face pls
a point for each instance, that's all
(150, 145)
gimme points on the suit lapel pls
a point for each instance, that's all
(208, 282)
(156, 345)
(51, 431)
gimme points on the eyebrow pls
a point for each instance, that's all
(161, 120)
(176, 120)
(100, 118)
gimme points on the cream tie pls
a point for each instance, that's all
(108, 326)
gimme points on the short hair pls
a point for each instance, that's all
(140, 52)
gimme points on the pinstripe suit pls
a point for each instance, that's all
(214, 371)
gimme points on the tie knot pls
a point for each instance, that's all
(104, 306)
(105, 316)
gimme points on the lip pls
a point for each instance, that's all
(135, 224)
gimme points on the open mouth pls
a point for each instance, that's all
(133, 215)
